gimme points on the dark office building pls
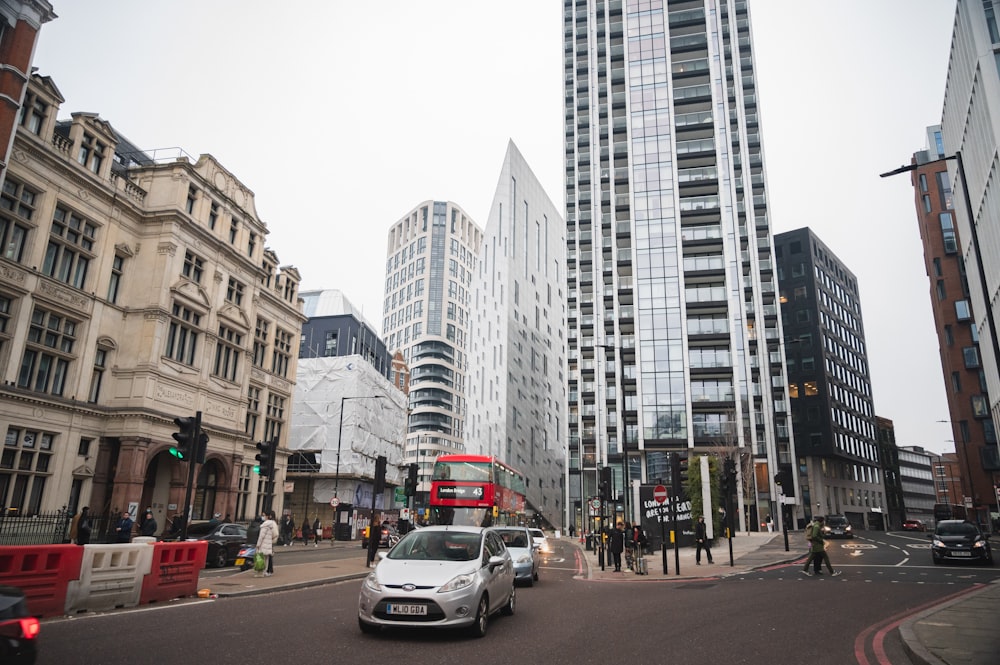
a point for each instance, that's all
(895, 507)
(336, 328)
(833, 418)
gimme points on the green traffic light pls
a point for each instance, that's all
(256, 469)
(176, 453)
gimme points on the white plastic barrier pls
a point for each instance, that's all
(110, 576)
(143, 539)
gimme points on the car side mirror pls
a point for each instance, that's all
(495, 562)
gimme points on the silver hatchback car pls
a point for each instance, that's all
(522, 550)
(439, 576)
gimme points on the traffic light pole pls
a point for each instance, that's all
(196, 438)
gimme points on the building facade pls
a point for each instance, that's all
(516, 390)
(675, 343)
(431, 259)
(917, 480)
(20, 23)
(336, 328)
(962, 358)
(134, 291)
(829, 383)
(970, 140)
(895, 507)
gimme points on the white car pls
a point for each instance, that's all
(541, 542)
(439, 576)
(522, 550)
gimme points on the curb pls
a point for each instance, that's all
(914, 648)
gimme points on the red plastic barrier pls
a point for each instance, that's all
(174, 572)
(43, 573)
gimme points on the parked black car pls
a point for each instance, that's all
(958, 540)
(18, 629)
(224, 541)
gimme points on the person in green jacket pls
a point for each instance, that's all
(817, 549)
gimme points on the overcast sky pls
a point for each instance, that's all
(342, 116)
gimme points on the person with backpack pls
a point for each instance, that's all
(817, 549)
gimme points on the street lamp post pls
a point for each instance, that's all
(340, 439)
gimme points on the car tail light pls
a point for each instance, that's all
(30, 627)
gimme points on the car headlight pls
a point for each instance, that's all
(847, 528)
(372, 582)
(524, 558)
(979, 543)
(457, 583)
(936, 543)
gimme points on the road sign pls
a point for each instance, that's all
(595, 504)
(660, 494)
(334, 502)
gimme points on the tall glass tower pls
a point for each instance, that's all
(675, 342)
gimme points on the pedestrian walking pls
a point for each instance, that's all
(317, 532)
(266, 540)
(616, 544)
(702, 542)
(123, 529)
(572, 531)
(287, 529)
(305, 533)
(817, 549)
(84, 527)
(147, 527)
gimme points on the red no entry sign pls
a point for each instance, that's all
(660, 494)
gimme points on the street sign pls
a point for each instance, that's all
(334, 502)
(595, 504)
(660, 494)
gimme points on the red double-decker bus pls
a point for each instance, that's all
(476, 490)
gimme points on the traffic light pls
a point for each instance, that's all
(411, 481)
(185, 437)
(265, 458)
(380, 474)
(606, 483)
(783, 479)
(729, 477)
(202, 447)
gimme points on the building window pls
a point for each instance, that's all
(971, 356)
(939, 287)
(33, 113)
(253, 410)
(234, 228)
(70, 249)
(192, 198)
(330, 346)
(956, 382)
(980, 408)
(962, 310)
(275, 417)
(12, 236)
(83, 449)
(251, 244)
(194, 267)
(48, 353)
(282, 353)
(949, 336)
(91, 153)
(182, 337)
(234, 292)
(213, 215)
(24, 469)
(227, 353)
(243, 484)
(5, 303)
(114, 284)
(948, 233)
(260, 343)
(18, 199)
(100, 364)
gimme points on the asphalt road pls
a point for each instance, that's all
(762, 618)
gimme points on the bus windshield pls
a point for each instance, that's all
(478, 472)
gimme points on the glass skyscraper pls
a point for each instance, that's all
(675, 340)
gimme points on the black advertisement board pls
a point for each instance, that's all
(656, 519)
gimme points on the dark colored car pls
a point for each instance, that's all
(18, 629)
(913, 525)
(225, 540)
(957, 540)
(837, 526)
(389, 537)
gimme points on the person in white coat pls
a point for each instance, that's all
(266, 540)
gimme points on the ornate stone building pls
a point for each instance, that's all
(135, 288)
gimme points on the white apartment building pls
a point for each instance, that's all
(516, 388)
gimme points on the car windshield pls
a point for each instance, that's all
(426, 545)
(959, 529)
(537, 533)
(513, 537)
(836, 521)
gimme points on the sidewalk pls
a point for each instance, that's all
(954, 633)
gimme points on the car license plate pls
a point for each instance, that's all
(961, 553)
(239, 562)
(411, 610)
